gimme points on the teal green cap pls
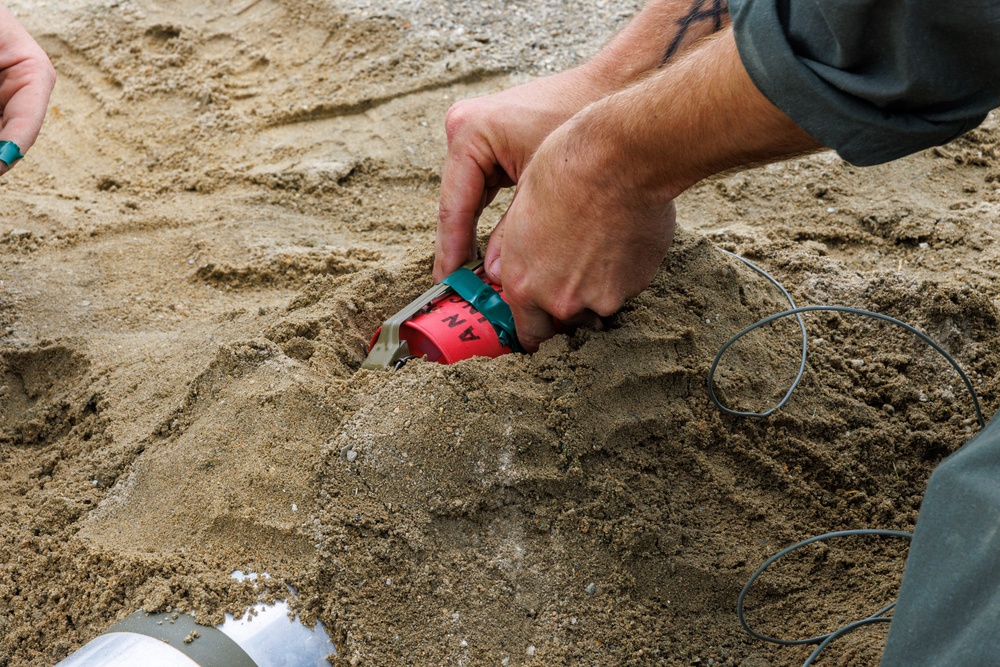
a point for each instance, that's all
(488, 302)
(9, 153)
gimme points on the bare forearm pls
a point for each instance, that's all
(658, 35)
(698, 117)
(491, 140)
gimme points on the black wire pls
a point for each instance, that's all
(843, 309)
(850, 627)
(879, 616)
(741, 614)
(402, 362)
(802, 360)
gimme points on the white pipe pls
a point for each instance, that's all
(127, 650)
(268, 638)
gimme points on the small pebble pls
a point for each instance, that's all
(590, 589)
(530, 651)
(351, 456)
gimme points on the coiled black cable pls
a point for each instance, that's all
(842, 309)
(879, 616)
(824, 639)
(802, 360)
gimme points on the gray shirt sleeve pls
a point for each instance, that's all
(874, 79)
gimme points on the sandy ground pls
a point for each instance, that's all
(229, 197)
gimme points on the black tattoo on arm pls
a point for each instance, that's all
(697, 14)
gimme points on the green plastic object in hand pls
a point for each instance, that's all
(9, 153)
(391, 348)
(488, 302)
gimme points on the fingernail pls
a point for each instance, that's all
(493, 270)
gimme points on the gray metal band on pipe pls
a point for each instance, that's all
(213, 648)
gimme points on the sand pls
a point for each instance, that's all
(229, 197)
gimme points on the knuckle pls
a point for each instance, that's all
(566, 309)
(564, 303)
(459, 116)
(41, 69)
(529, 342)
(454, 221)
(514, 290)
(608, 302)
(608, 306)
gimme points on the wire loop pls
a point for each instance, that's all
(879, 616)
(842, 309)
(741, 613)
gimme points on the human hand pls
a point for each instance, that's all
(593, 214)
(26, 81)
(578, 239)
(490, 141)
